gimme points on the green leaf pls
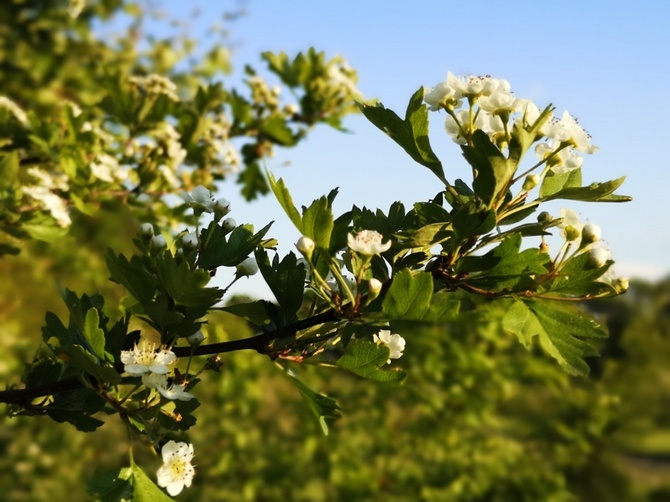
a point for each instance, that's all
(276, 129)
(504, 267)
(411, 298)
(493, 171)
(284, 197)
(185, 286)
(472, 219)
(560, 330)
(76, 407)
(554, 183)
(78, 357)
(252, 180)
(595, 192)
(222, 251)
(94, 335)
(286, 279)
(317, 222)
(132, 275)
(365, 359)
(411, 133)
(112, 486)
(9, 170)
(578, 277)
(324, 408)
(145, 490)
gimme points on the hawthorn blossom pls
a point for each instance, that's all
(177, 471)
(395, 343)
(169, 391)
(560, 162)
(156, 84)
(367, 243)
(591, 233)
(51, 202)
(147, 360)
(570, 224)
(200, 199)
(441, 95)
(567, 130)
(598, 256)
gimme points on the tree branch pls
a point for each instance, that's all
(257, 343)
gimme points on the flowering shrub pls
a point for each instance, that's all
(365, 282)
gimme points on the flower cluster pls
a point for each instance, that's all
(47, 193)
(487, 104)
(156, 85)
(367, 243)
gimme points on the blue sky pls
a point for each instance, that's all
(606, 62)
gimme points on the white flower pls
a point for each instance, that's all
(145, 359)
(441, 95)
(14, 110)
(147, 230)
(367, 243)
(190, 240)
(160, 383)
(51, 202)
(395, 343)
(568, 130)
(158, 242)
(598, 256)
(591, 233)
(228, 225)
(570, 224)
(106, 168)
(374, 286)
(247, 267)
(52, 181)
(500, 99)
(200, 199)
(176, 471)
(221, 207)
(156, 84)
(459, 127)
(305, 245)
(196, 338)
(561, 162)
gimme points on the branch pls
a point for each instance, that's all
(257, 343)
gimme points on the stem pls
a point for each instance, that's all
(257, 343)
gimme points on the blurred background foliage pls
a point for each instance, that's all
(479, 419)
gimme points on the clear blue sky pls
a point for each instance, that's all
(607, 62)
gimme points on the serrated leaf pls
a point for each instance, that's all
(559, 329)
(93, 334)
(78, 357)
(365, 359)
(494, 172)
(324, 407)
(185, 286)
(411, 298)
(112, 486)
(595, 192)
(285, 200)
(286, 279)
(132, 275)
(276, 129)
(317, 222)
(411, 133)
(222, 251)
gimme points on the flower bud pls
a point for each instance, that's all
(544, 217)
(189, 241)
(591, 233)
(544, 247)
(374, 288)
(247, 267)
(228, 225)
(196, 338)
(620, 285)
(598, 257)
(532, 180)
(221, 208)
(306, 246)
(158, 242)
(572, 233)
(147, 230)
